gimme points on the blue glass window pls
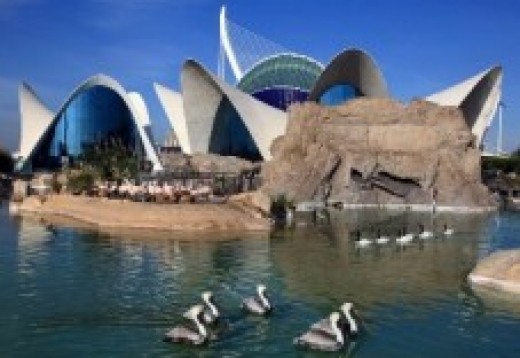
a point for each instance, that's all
(281, 97)
(230, 135)
(93, 116)
(339, 94)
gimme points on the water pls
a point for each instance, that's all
(76, 293)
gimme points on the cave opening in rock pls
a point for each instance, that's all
(394, 184)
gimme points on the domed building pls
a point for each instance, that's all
(282, 79)
(98, 111)
(210, 115)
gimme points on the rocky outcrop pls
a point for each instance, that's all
(255, 203)
(377, 151)
(500, 272)
(206, 163)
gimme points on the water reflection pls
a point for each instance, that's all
(321, 263)
(65, 289)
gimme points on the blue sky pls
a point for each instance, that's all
(421, 46)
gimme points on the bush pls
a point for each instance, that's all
(279, 206)
(56, 186)
(80, 182)
(110, 161)
(504, 164)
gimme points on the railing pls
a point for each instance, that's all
(221, 183)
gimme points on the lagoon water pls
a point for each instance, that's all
(68, 292)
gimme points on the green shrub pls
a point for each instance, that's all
(56, 186)
(504, 164)
(280, 204)
(80, 182)
(110, 161)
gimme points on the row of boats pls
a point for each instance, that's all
(402, 238)
(328, 334)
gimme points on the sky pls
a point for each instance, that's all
(421, 47)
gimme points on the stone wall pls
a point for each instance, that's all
(377, 151)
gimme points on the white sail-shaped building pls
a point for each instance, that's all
(97, 110)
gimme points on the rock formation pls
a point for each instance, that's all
(206, 163)
(500, 271)
(377, 151)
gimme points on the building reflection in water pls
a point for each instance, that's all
(33, 237)
(182, 268)
(318, 263)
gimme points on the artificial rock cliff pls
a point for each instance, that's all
(377, 151)
(498, 272)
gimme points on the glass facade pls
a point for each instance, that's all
(93, 116)
(281, 97)
(230, 135)
(281, 80)
(339, 94)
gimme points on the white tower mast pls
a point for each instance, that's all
(225, 44)
(501, 106)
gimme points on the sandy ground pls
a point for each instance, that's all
(115, 215)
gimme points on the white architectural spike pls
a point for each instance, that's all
(143, 117)
(226, 45)
(263, 122)
(174, 107)
(500, 128)
(243, 48)
(478, 97)
(35, 119)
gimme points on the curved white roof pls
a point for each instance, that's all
(478, 98)
(134, 104)
(143, 117)
(173, 106)
(202, 93)
(35, 119)
(355, 67)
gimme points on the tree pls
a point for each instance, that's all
(109, 159)
(504, 164)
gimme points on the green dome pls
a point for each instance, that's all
(283, 70)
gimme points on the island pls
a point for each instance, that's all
(234, 215)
